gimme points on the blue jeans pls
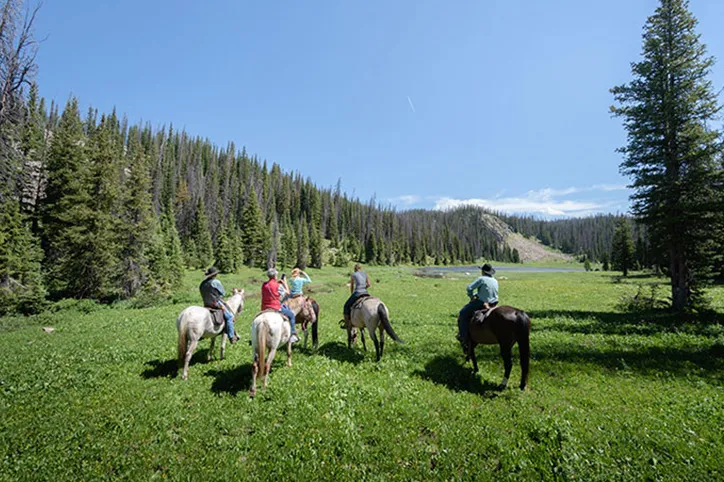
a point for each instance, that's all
(287, 312)
(229, 317)
(466, 314)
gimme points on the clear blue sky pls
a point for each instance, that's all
(419, 103)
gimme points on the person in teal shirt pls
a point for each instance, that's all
(485, 297)
(296, 282)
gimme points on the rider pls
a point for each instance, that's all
(212, 292)
(296, 283)
(358, 284)
(485, 298)
(271, 292)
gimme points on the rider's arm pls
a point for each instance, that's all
(473, 286)
(220, 288)
(306, 278)
(367, 282)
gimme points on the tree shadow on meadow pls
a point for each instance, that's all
(447, 370)
(169, 368)
(678, 361)
(336, 350)
(611, 323)
(231, 380)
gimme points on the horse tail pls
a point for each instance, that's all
(315, 333)
(182, 326)
(382, 314)
(522, 328)
(261, 335)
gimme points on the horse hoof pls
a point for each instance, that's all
(252, 394)
(502, 387)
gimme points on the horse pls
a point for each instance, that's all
(295, 304)
(196, 322)
(503, 325)
(269, 330)
(371, 313)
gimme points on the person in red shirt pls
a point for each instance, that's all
(271, 294)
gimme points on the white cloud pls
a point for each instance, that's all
(542, 201)
(406, 200)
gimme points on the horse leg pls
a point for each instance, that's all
(223, 345)
(376, 342)
(382, 340)
(315, 334)
(189, 353)
(289, 353)
(210, 354)
(364, 344)
(269, 361)
(471, 355)
(254, 372)
(506, 353)
(349, 336)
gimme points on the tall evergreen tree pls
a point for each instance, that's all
(139, 223)
(622, 252)
(667, 109)
(201, 236)
(252, 232)
(303, 245)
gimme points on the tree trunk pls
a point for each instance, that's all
(679, 281)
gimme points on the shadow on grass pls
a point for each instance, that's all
(677, 361)
(231, 380)
(169, 368)
(339, 351)
(609, 323)
(447, 370)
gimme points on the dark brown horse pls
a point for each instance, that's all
(504, 326)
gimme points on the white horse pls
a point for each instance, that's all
(370, 313)
(196, 322)
(269, 330)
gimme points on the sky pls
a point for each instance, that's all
(415, 104)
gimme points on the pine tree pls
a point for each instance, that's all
(21, 283)
(671, 156)
(174, 253)
(65, 209)
(225, 255)
(315, 248)
(139, 224)
(201, 236)
(622, 251)
(252, 233)
(303, 245)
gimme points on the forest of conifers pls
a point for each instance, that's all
(117, 208)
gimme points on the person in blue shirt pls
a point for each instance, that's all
(483, 294)
(212, 291)
(296, 282)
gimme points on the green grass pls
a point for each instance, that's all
(613, 396)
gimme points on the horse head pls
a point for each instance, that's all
(307, 310)
(238, 292)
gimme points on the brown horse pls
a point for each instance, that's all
(295, 304)
(504, 325)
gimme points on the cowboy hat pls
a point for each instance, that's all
(487, 269)
(211, 272)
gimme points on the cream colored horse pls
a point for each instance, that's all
(269, 331)
(196, 322)
(304, 321)
(371, 313)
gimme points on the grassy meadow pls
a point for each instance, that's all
(613, 395)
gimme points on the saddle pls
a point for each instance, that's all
(480, 315)
(217, 315)
(271, 310)
(359, 301)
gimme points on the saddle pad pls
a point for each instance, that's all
(359, 301)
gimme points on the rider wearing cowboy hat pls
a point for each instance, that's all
(212, 292)
(486, 297)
